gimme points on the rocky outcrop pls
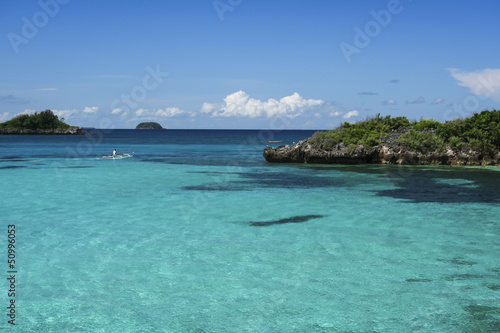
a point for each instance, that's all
(74, 130)
(387, 152)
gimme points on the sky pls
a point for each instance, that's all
(248, 64)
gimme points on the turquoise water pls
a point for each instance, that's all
(197, 233)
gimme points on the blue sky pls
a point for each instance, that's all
(248, 64)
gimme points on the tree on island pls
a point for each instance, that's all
(149, 125)
(480, 132)
(44, 120)
(471, 141)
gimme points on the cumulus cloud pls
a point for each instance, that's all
(335, 114)
(64, 113)
(119, 111)
(484, 82)
(169, 112)
(240, 104)
(389, 102)
(208, 107)
(162, 113)
(438, 101)
(92, 109)
(350, 114)
(27, 111)
(4, 116)
(419, 100)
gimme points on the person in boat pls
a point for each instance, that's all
(114, 152)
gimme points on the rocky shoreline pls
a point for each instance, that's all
(387, 152)
(74, 130)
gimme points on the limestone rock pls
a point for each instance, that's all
(387, 152)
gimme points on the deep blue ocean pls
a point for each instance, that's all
(198, 233)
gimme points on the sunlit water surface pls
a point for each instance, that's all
(197, 233)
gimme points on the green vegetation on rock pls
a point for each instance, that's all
(480, 132)
(367, 133)
(45, 120)
(149, 125)
(422, 141)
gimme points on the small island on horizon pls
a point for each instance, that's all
(44, 122)
(149, 125)
(473, 141)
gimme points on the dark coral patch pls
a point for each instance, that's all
(418, 280)
(293, 219)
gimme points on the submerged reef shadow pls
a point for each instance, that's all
(219, 187)
(256, 180)
(13, 167)
(412, 184)
(293, 219)
(419, 184)
(483, 318)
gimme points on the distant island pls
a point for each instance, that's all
(149, 125)
(385, 140)
(44, 122)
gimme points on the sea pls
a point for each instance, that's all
(196, 232)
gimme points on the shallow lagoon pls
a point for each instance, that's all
(180, 238)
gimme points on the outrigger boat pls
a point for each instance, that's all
(118, 156)
(275, 141)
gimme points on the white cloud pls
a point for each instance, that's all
(389, 102)
(484, 82)
(92, 109)
(240, 104)
(120, 112)
(353, 113)
(438, 101)
(419, 100)
(208, 107)
(64, 113)
(4, 117)
(169, 112)
(335, 114)
(162, 113)
(27, 111)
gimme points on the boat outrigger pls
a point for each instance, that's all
(117, 156)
